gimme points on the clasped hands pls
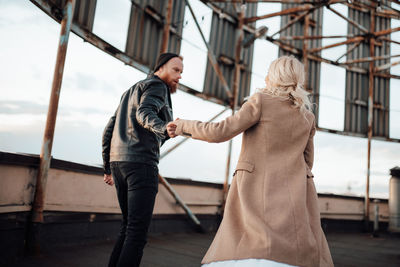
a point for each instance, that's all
(171, 128)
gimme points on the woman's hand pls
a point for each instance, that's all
(171, 128)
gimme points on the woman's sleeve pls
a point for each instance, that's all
(212, 132)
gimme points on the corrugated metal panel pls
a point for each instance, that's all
(177, 20)
(222, 43)
(146, 28)
(314, 67)
(381, 86)
(357, 87)
(83, 13)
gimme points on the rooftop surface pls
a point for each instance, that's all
(187, 249)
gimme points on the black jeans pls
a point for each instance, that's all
(137, 186)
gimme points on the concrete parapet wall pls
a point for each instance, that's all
(76, 190)
(75, 187)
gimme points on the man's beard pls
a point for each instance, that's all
(173, 88)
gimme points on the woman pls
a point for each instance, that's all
(271, 215)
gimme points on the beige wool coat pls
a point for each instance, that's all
(271, 210)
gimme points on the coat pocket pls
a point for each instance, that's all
(244, 166)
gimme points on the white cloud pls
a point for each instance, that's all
(112, 20)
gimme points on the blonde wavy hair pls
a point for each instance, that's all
(285, 79)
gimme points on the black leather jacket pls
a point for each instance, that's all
(138, 127)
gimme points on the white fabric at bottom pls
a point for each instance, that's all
(247, 263)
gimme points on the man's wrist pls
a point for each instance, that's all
(107, 171)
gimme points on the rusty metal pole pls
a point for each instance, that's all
(236, 81)
(226, 181)
(45, 155)
(305, 49)
(293, 21)
(355, 24)
(351, 48)
(370, 118)
(165, 37)
(181, 203)
(348, 41)
(288, 11)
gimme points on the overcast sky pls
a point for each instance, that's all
(94, 81)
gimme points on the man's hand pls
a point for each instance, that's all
(171, 128)
(108, 179)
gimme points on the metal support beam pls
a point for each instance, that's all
(165, 37)
(386, 66)
(226, 180)
(370, 117)
(385, 32)
(357, 6)
(355, 24)
(294, 50)
(314, 37)
(302, 15)
(293, 21)
(387, 75)
(236, 84)
(210, 54)
(305, 49)
(368, 59)
(351, 48)
(388, 11)
(285, 46)
(280, 13)
(45, 154)
(238, 58)
(181, 203)
(381, 38)
(349, 41)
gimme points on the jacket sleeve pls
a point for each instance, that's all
(247, 116)
(107, 135)
(151, 102)
(309, 150)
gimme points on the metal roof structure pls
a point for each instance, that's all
(156, 27)
(153, 29)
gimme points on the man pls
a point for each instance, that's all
(131, 149)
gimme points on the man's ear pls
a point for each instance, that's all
(160, 71)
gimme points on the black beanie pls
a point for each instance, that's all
(164, 58)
